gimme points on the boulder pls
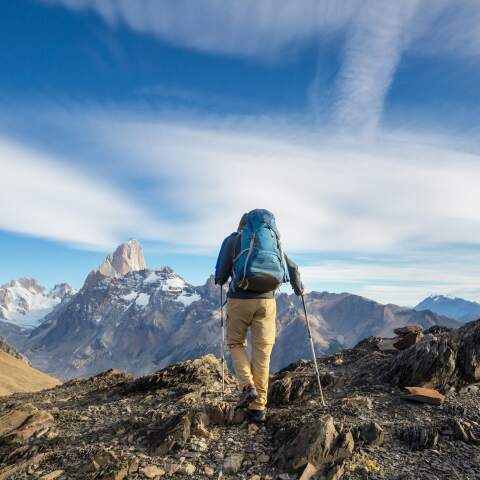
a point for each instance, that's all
(152, 471)
(440, 360)
(407, 329)
(20, 424)
(423, 395)
(420, 437)
(372, 433)
(319, 444)
(408, 340)
(173, 432)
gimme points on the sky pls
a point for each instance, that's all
(357, 123)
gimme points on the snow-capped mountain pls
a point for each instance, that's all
(141, 320)
(453, 307)
(132, 320)
(24, 302)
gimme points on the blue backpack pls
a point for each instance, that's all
(259, 265)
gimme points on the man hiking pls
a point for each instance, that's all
(253, 258)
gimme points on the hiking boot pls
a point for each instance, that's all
(257, 416)
(248, 395)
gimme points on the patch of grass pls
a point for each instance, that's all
(364, 462)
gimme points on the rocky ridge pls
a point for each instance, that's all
(129, 317)
(174, 423)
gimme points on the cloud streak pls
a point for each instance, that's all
(375, 38)
(43, 197)
(399, 194)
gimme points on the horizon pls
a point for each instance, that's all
(358, 127)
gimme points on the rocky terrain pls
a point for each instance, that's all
(137, 319)
(174, 423)
(452, 307)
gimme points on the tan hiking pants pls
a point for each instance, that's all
(258, 314)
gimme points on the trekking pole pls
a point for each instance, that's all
(223, 340)
(313, 353)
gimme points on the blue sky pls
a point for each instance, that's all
(165, 121)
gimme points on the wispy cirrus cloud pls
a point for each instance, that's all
(44, 197)
(400, 194)
(373, 36)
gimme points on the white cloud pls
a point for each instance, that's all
(43, 197)
(376, 35)
(373, 50)
(328, 196)
(406, 282)
(398, 195)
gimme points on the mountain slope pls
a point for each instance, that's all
(141, 320)
(16, 374)
(24, 302)
(453, 307)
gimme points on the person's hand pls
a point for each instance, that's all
(304, 292)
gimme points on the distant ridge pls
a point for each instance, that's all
(453, 307)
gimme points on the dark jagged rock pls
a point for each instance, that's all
(183, 377)
(296, 382)
(408, 340)
(174, 432)
(419, 437)
(439, 361)
(320, 444)
(371, 433)
(407, 329)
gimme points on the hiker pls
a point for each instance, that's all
(253, 258)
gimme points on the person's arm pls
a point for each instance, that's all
(294, 274)
(223, 268)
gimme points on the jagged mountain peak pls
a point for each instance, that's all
(30, 284)
(127, 257)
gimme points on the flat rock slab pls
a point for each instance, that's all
(423, 395)
(405, 330)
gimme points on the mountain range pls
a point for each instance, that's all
(453, 307)
(138, 319)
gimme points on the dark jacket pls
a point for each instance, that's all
(225, 266)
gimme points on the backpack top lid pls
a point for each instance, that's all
(260, 216)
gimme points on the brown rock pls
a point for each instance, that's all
(152, 471)
(187, 469)
(252, 428)
(319, 444)
(263, 458)
(372, 433)
(405, 330)
(52, 475)
(209, 471)
(171, 468)
(20, 424)
(233, 463)
(408, 340)
(358, 402)
(423, 395)
(172, 432)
